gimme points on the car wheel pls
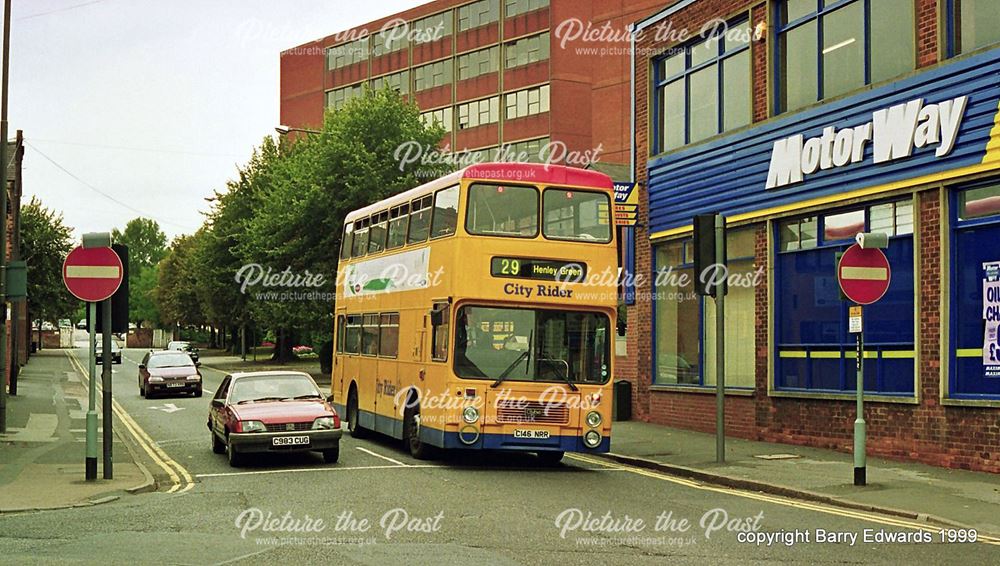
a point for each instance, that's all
(218, 446)
(352, 416)
(197, 392)
(332, 455)
(142, 390)
(411, 435)
(550, 458)
(234, 457)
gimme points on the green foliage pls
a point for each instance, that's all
(286, 211)
(147, 245)
(45, 242)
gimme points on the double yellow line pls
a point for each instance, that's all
(806, 505)
(179, 477)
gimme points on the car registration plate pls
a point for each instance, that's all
(289, 440)
(530, 433)
(175, 385)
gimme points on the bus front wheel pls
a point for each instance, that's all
(411, 435)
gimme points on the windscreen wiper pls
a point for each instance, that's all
(526, 355)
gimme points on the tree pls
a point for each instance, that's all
(45, 242)
(175, 295)
(147, 245)
(298, 214)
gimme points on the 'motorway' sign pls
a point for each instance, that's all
(863, 274)
(92, 274)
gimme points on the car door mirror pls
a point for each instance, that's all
(329, 399)
(217, 402)
(142, 366)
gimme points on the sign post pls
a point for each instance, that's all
(864, 275)
(92, 273)
(710, 274)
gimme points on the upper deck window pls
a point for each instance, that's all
(346, 242)
(398, 219)
(576, 215)
(360, 244)
(420, 220)
(502, 210)
(445, 212)
(376, 237)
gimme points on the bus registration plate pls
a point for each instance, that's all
(289, 440)
(529, 433)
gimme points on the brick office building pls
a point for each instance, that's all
(809, 122)
(493, 72)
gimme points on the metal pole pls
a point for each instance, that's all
(92, 405)
(3, 217)
(720, 345)
(859, 422)
(106, 386)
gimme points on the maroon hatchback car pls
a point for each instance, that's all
(272, 411)
(168, 372)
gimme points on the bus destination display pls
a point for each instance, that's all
(528, 268)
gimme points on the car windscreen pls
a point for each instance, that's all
(276, 387)
(169, 361)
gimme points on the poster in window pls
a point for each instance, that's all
(991, 316)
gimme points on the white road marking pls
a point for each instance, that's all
(386, 458)
(168, 408)
(303, 470)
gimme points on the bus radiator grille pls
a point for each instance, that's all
(532, 412)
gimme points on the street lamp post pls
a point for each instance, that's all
(3, 218)
(284, 130)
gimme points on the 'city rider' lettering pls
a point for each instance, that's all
(527, 291)
(894, 133)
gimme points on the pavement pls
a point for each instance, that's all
(42, 455)
(939, 495)
(225, 362)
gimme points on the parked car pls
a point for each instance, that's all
(272, 411)
(82, 325)
(116, 353)
(181, 346)
(168, 371)
(65, 323)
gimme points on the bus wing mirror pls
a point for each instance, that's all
(437, 317)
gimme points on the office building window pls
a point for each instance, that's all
(972, 24)
(431, 28)
(703, 88)
(526, 102)
(432, 75)
(390, 40)
(815, 351)
(515, 7)
(400, 82)
(471, 65)
(478, 14)
(528, 151)
(336, 98)
(441, 116)
(347, 54)
(827, 48)
(526, 50)
(478, 113)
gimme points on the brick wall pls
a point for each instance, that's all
(945, 435)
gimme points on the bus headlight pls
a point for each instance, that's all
(470, 414)
(593, 419)
(592, 439)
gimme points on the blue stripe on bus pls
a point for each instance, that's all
(451, 440)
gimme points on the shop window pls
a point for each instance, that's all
(975, 298)
(702, 88)
(815, 351)
(684, 322)
(972, 24)
(827, 48)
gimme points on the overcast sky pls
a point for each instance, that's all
(152, 102)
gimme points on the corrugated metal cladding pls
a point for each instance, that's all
(729, 174)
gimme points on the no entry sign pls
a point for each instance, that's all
(863, 274)
(92, 274)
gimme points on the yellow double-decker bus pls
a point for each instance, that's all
(477, 311)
